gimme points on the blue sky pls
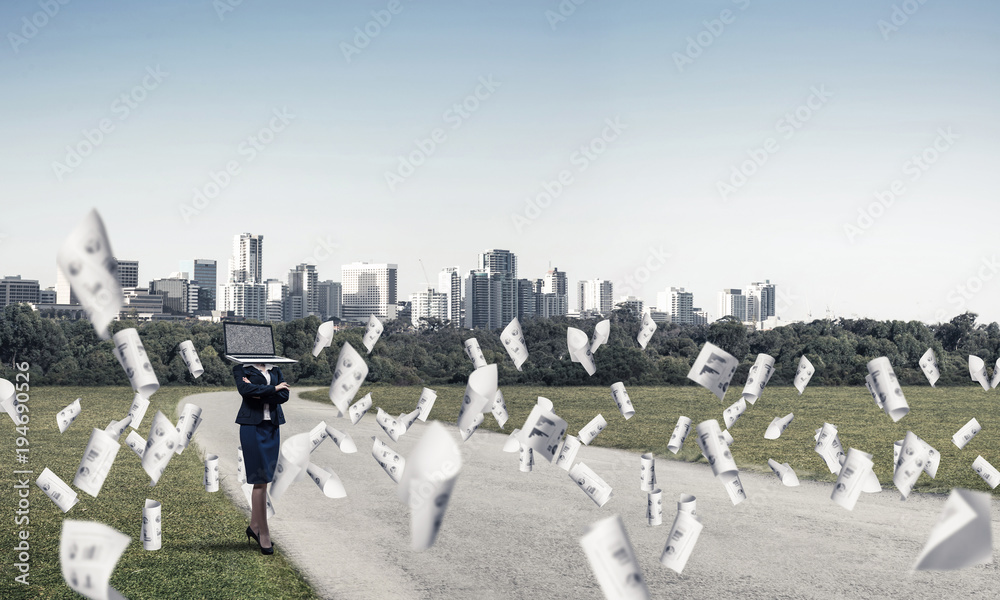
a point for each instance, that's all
(554, 87)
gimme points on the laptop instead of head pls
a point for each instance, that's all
(246, 343)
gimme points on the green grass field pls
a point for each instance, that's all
(935, 415)
(204, 553)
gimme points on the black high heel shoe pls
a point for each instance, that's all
(270, 550)
(251, 534)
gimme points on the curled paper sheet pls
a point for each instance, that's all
(985, 470)
(870, 484)
(687, 503)
(327, 481)
(760, 374)
(803, 374)
(342, 439)
(390, 460)
(928, 364)
(613, 561)
(851, 478)
(591, 430)
(828, 446)
(568, 452)
(681, 431)
(187, 423)
(136, 442)
(67, 415)
(500, 410)
(622, 401)
(683, 536)
(96, 462)
(241, 474)
(57, 490)
(713, 369)
(778, 426)
(654, 507)
(408, 419)
(512, 445)
(734, 411)
(525, 459)
(962, 536)
(716, 451)
(596, 488)
(426, 403)
(8, 401)
(897, 446)
(88, 262)
(132, 356)
(734, 487)
(933, 456)
(212, 473)
(390, 426)
(887, 387)
(543, 430)
(161, 443)
(647, 472)
(359, 408)
(115, 429)
(727, 437)
(913, 458)
(977, 368)
(995, 380)
(324, 337)
(316, 435)
(152, 534)
(870, 384)
(372, 333)
(190, 357)
(88, 554)
(601, 333)
(646, 330)
(784, 472)
(968, 431)
(513, 340)
(579, 349)
(468, 431)
(138, 410)
(480, 394)
(293, 459)
(475, 353)
(347, 377)
(428, 482)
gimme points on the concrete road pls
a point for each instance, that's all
(509, 534)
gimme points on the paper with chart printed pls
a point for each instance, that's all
(647, 472)
(324, 337)
(590, 431)
(713, 369)
(406, 420)
(622, 401)
(161, 444)
(190, 357)
(784, 472)
(66, 416)
(499, 409)
(654, 507)
(327, 481)
(760, 374)
(602, 331)
(525, 459)
(613, 560)
(426, 403)
(390, 426)
(778, 426)
(968, 431)
(96, 462)
(716, 451)
(962, 536)
(466, 432)
(132, 356)
(138, 410)
(512, 338)
(391, 461)
(428, 482)
(88, 262)
(152, 533)
(359, 408)
(136, 442)
(475, 353)
(596, 488)
(116, 428)
(8, 401)
(914, 456)
(887, 388)
(212, 473)
(187, 424)
(928, 364)
(687, 503)
(567, 452)
(57, 490)
(646, 330)
(977, 368)
(828, 446)
(579, 349)
(350, 373)
(988, 472)
(684, 533)
(88, 554)
(543, 430)
(316, 435)
(480, 394)
(681, 431)
(870, 384)
(734, 411)
(803, 374)
(851, 478)
(342, 439)
(293, 460)
(372, 332)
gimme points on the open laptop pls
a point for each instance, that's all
(250, 344)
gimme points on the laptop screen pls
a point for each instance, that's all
(245, 339)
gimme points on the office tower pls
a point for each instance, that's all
(699, 316)
(632, 303)
(429, 304)
(732, 302)
(555, 283)
(760, 301)
(368, 289)
(450, 284)
(204, 273)
(176, 292)
(595, 297)
(527, 299)
(64, 292)
(481, 301)
(14, 290)
(128, 273)
(302, 282)
(677, 302)
(328, 300)
(140, 304)
(501, 266)
(274, 302)
(47, 296)
(245, 293)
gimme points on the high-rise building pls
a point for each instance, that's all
(732, 302)
(245, 293)
(14, 290)
(760, 301)
(555, 283)
(128, 273)
(65, 294)
(481, 301)
(204, 273)
(328, 300)
(176, 292)
(678, 303)
(595, 296)
(527, 299)
(47, 296)
(368, 289)
(636, 305)
(274, 309)
(139, 304)
(700, 317)
(501, 266)
(429, 304)
(302, 282)
(450, 284)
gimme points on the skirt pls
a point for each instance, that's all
(260, 450)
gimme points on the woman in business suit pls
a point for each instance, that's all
(264, 390)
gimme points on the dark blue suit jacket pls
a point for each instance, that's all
(258, 392)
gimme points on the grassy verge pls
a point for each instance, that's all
(935, 414)
(204, 553)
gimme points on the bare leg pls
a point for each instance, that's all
(258, 514)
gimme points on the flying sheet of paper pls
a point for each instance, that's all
(372, 332)
(475, 353)
(511, 444)
(734, 411)
(962, 536)
(887, 387)
(591, 430)
(390, 460)
(327, 481)
(828, 447)
(88, 554)
(324, 337)
(473, 426)
(687, 503)
(596, 488)
(96, 462)
(579, 349)
(778, 426)
(602, 331)
(987, 471)
(390, 426)
(968, 431)
(525, 459)
(567, 453)
(977, 369)
(928, 364)
(803, 374)
(359, 408)
(136, 442)
(57, 490)
(613, 561)
(684, 533)
(8, 401)
(190, 357)
(543, 430)
(622, 401)
(426, 403)
(115, 429)
(727, 437)
(851, 478)
(187, 424)
(342, 439)
(760, 374)
(995, 380)
(212, 473)
(480, 394)
(428, 482)
(316, 435)
(870, 384)
(88, 262)
(647, 472)
(350, 373)
(913, 457)
(654, 507)
(152, 533)
(499, 409)
(132, 356)
(138, 410)
(784, 472)
(66, 416)
(713, 369)
(646, 330)
(681, 431)
(716, 451)
(293, 460)
(161, 444)
(408, 419)
(513, 340)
